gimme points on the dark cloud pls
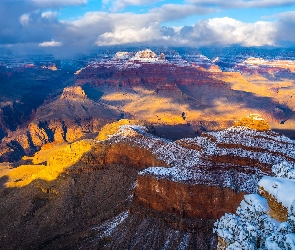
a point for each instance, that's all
(21, 21)
(167, 31)
(285, 29)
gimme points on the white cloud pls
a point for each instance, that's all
(128, 36)
(226, 31)
(52, 43)
(127, 28)
(24, 19)
(49, 14)
(244, 3)
(124, 28)
(117, 5)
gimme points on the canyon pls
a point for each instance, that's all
(142, 150)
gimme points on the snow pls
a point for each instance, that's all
(184, 242)
(252, 227)
(254, 199)
(271, 245)
(290, 241)
(195, 166)
(109, 226)
(284, 169)
(282, 189)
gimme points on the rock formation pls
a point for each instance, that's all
(158, 91)
(253, 121)
(75, 93)
(66, 119)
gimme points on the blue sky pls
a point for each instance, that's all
(74, 25)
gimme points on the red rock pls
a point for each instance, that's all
(185, 200)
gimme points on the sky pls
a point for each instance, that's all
(77, 25)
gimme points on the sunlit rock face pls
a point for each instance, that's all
(65, 119)
(160, 90)
(73, 93)
(253, 121)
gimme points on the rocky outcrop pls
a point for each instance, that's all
(111, 128)
(145, 73)
(73, 93)
(279, 192)
(253, 121)
(103, 154)
(276, 208)
(202, 177)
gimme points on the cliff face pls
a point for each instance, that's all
(185, 200)
(143, 73)
(104, 154)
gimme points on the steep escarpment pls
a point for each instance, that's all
(223, 167)
(185, 200)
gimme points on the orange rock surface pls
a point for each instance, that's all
(201, 201)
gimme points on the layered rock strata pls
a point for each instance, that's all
(208, 175)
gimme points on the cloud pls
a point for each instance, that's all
(117, 5)
(30, 22)
(24, 19)
(102, 28)
(285, 28)
(129, 28)
(243, 3)
(49, 15)
(21, 21)
(105, 29)
(50, 44)
(129, 36)
(227, 31)
(170, 12)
